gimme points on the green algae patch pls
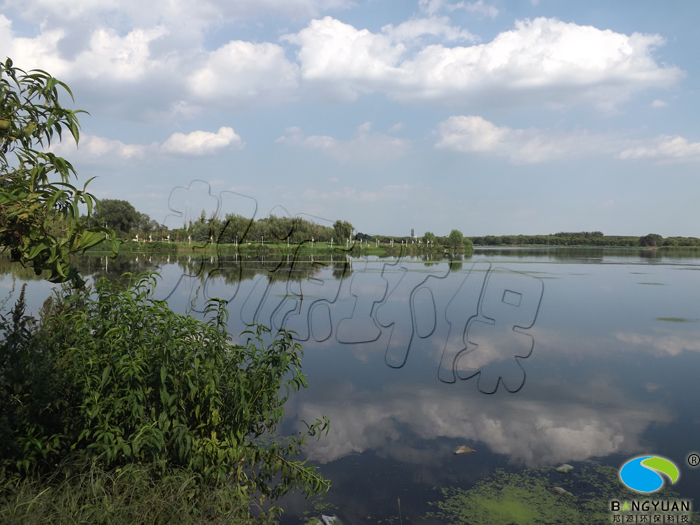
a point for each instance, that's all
(505, 498)
(529, 497)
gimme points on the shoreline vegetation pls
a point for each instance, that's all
(324, 250)
(379, 249)
(234, 232)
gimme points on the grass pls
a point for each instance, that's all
(131, 495)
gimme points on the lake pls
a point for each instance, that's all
(530, 357)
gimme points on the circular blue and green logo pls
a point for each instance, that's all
(642, 474)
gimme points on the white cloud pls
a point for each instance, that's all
(473, 134)
(433, 6)
(95, 148)
(92, 147)
(106, 56)
(240, 72)
(176, 12)
(202, 142)
(541, 61)
(430, 6)
(365, 146)
(434, 26)
(123, 58)
(346, 59)
(176, 77)
(664, 149)
(480, 7)
(658, 104)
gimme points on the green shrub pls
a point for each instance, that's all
(118, 378)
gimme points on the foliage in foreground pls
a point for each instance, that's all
(527, 498)
(38, 216)
(118, 378)
(133, 494)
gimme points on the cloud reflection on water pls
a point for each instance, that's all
(556, 426)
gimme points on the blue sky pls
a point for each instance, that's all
(489, 116)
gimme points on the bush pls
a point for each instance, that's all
(118, 378)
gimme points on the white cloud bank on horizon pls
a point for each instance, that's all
(664, 149)
(474, 134)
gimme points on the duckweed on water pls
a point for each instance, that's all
(528, 497)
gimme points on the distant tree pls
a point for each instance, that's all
(651, 239)
(278, 228)
(116, 214)
(455, 240)
(145, 224)
(342, 230)
(429, 237)
(364, 237)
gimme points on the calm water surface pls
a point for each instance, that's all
(531, 357)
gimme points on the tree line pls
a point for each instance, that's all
(123, 218)
(127, 222)
(651, 240)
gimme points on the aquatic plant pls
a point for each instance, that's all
(529, 497)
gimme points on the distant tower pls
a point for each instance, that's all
(412, 234)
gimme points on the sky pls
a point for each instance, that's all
(492, 117)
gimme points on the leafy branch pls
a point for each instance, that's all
(38, 214)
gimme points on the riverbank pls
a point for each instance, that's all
(261, 249)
